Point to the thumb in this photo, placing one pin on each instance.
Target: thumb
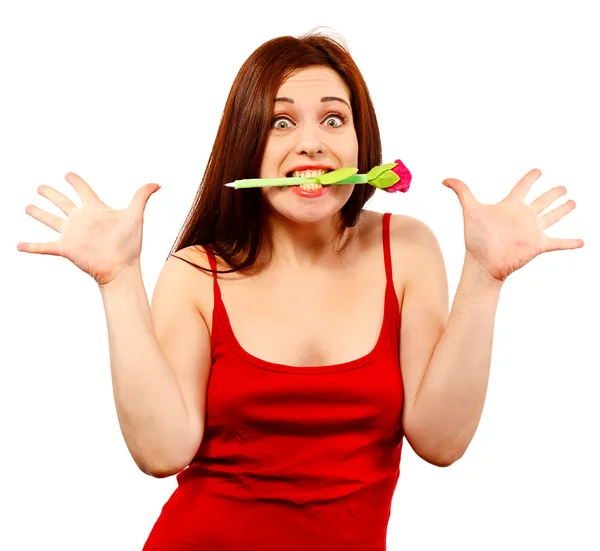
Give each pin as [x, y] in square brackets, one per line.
[140, 199]
[464, 194]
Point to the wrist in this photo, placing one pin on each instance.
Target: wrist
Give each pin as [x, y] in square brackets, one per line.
[477, 286]
[129, 275]
[478, 275]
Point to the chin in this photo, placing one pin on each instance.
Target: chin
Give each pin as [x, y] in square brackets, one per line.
[304, 214]
[312, 217]
[287, 204]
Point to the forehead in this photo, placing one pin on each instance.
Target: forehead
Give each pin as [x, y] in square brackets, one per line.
[317, 81]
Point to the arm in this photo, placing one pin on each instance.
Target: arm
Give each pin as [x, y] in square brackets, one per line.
[445, 361]
[160, 359]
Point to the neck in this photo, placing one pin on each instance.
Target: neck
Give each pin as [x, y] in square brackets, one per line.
[300, 246]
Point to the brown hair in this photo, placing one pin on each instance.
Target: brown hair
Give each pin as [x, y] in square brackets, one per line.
[228, 221]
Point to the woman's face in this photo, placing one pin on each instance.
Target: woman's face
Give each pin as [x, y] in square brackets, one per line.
[312, 128]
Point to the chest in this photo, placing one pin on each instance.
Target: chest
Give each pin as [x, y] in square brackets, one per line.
[322, 319]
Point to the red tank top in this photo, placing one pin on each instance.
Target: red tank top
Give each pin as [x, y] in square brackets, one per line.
[293, 458]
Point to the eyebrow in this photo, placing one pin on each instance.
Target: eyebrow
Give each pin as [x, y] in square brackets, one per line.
[323, 100]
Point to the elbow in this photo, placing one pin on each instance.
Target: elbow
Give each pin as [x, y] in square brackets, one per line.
[436, 453]
[161, 470]
[442, 459]
[164, 473]
[163, 467]
[446, 454]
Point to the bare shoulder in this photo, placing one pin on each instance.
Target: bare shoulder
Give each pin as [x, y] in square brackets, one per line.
[415, 246]
[194, 255]
[191, 264]
[182, 282]
[410, 231]
[404, 230]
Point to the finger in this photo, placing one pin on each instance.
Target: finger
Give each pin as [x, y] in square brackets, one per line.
[556, 214]
[140, 199]
[51, 220]
[523, 186]
[50, 247]
[546, 199]
[557, 244]
[63, 203]
[85, 192]
[466, 198]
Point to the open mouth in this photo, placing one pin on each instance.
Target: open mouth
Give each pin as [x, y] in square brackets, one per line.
[308, 174]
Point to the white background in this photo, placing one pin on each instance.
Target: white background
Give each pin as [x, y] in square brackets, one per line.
[126, 93]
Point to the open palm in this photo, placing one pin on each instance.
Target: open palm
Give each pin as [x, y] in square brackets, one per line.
[99, 240]
[503, 237]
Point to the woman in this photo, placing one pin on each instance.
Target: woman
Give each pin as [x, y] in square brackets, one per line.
[281, 388]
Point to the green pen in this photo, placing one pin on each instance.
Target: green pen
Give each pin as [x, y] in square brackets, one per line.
[390, 177]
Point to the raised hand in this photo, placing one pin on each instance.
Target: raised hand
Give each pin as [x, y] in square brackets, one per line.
[504, 237]
[99, 240]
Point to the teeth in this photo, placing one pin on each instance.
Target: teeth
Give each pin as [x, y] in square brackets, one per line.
[309, 173]
[310, 187]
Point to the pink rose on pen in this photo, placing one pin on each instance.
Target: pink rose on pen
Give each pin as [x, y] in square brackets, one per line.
[405, 178]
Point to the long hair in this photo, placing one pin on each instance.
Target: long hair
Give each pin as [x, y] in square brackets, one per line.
[229, 222]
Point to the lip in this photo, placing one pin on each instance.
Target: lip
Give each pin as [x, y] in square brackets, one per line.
[310, 194]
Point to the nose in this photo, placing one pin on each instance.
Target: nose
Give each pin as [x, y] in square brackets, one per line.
[309, 141]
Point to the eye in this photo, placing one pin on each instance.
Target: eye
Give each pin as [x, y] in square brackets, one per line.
[281, 123]
[331, 120]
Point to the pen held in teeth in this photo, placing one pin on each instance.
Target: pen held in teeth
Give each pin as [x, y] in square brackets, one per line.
[309, 174]
[310, 187]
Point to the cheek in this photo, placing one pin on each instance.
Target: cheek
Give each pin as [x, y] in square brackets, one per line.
[355, 149]
[346, 191]
[350, 151]
[272, 160]
[269, 195]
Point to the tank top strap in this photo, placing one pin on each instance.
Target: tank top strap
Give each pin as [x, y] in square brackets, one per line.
[213, 266]
[387, 254]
